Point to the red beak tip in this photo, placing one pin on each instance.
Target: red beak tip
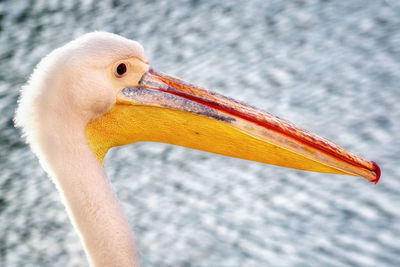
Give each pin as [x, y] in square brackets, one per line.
[377, 171]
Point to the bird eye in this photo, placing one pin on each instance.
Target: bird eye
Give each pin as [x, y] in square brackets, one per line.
[121, 69]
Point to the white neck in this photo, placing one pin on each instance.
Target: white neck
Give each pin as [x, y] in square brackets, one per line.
[91, 204]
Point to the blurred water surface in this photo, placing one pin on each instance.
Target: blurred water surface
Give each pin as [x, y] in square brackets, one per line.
[331, 66]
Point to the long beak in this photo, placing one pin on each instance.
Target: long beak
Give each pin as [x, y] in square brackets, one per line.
[161, 108]
[191, 116]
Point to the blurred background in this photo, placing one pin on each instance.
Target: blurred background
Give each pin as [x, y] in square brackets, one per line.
[332, 67]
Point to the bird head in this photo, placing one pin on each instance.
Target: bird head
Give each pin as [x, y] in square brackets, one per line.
[104, 84]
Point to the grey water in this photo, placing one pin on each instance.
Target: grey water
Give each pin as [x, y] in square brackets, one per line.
[332, 67]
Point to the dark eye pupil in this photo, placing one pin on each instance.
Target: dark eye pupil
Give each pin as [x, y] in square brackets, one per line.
[121, 69]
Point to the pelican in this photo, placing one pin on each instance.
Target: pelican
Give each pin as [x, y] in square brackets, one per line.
[99, 91]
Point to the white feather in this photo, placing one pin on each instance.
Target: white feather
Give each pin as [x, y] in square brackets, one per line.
[67, 90]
